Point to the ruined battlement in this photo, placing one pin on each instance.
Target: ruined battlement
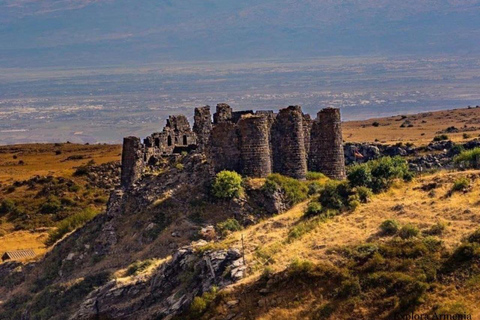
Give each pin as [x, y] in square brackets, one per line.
[254, 144]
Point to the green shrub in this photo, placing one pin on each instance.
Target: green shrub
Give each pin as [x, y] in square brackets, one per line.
[294, 190]
[267, 273]
[378, 175]
[466, 136]
[432, 243]
[70, 224]
[198, 307]
[337, 195]
[67, 201]
[7, 206]
[436, 229]
[360, 175]
[314, 208]
[387, 169]
[51, 206]
[349, 288]
[441, 137]
[311, 175]
[138, 267]
[456, 149]
[408, 231]
[389, 227]
[474, 237]
[364, 194]
[300, 266]
[179, 166]
[314, 188]
[460, 184]
[468, 158]
[227, 185]
[74, 188]
[200, 304]
[375, 124]
[228, 225]
[81, 171]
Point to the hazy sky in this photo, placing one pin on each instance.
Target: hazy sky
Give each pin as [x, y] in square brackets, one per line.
[104, 32]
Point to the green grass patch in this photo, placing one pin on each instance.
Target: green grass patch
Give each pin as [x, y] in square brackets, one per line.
[69, 224]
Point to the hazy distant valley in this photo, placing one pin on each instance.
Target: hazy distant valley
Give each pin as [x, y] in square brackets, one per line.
[103, 105]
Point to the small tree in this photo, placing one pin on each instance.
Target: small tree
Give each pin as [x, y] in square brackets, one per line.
[227, 185]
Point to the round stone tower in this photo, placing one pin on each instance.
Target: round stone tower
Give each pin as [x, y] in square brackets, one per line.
[288, 143]
[254, 146]
[326, 145]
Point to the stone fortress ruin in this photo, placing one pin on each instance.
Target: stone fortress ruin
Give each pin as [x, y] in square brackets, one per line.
[254, 144]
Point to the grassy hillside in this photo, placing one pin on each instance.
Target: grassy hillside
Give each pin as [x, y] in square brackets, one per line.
[340, 252]
[294, 278]
[419, 128]
[41, 185]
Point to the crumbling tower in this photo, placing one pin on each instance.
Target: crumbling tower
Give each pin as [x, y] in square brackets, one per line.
[202, 126]
[288, 143]
[255, 145]
[326, 145]
[132, 161]
[224, 147]
[223, 113]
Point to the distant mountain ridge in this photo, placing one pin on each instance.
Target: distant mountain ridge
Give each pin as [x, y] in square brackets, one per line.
[89, 32]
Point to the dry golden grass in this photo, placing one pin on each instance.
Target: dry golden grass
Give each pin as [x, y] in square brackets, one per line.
[40, 159]
[425, 127]
[19, 240]
[407, 203]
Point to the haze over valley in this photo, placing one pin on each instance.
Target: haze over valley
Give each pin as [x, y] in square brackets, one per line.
[104, 104]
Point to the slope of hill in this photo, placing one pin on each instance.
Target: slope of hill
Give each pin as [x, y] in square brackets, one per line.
[168, 246]
[43, 184]
[459, 125]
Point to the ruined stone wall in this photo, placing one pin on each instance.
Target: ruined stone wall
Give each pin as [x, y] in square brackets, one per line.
[288, 143]
[132, 161]
[202, 126]
[255, 146]
[175, 138]
[326, 146]
[224, 147]
[223, 113]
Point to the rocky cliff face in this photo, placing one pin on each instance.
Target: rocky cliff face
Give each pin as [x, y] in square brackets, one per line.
[157, 217]
[169, 290]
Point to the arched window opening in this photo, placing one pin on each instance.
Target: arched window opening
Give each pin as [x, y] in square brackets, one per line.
[185, 140]
[169, 141]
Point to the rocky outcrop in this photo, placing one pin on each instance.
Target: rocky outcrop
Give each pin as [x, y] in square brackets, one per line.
[169, 290]
[440, 145]
[362, 152]
[105, 176]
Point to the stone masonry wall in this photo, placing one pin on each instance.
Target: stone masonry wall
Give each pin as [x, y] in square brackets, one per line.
[202, 126]
[326, 150]
[132, 161]
[255, 146]
[288, 143]
[224, 147]
[223, 113]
